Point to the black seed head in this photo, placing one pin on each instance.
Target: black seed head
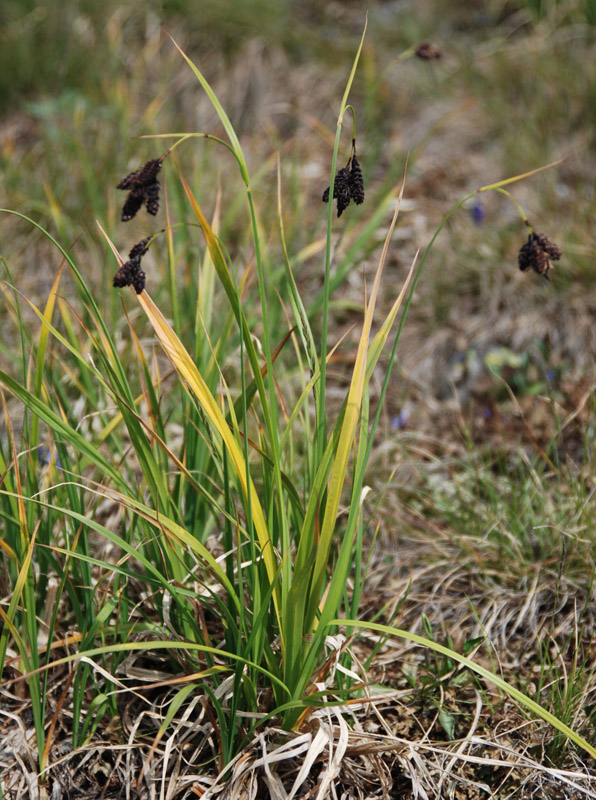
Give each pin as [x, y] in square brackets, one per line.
[143, 177]
[341, 189]
[427, 51]
[131, 274]
[545, 244]
[126, 274]
[139, 281]
[535, 254]
[131, 205]
[356, 182]
[127, 183]
[152, 199]
[524, 257]
[143, 187]
[541, 263]
[340, 184]
[343, 198]
[139, 250]
[148, 172]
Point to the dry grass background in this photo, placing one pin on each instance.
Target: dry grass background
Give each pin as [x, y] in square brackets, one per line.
[483, 474]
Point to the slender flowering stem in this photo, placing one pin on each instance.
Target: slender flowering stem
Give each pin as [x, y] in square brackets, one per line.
[515, 203]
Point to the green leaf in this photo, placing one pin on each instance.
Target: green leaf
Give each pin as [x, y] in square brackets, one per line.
[499, 682]
[472, 644]
[447, 721]
[428, 628]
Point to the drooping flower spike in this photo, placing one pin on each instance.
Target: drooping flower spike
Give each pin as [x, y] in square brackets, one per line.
[143, 187]
[130, 273]
[348, 184]
[537, 253]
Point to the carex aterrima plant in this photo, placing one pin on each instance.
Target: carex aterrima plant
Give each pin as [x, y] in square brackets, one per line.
[232, 556]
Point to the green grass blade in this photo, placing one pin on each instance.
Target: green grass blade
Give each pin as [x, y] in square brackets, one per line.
[225, 120]
[61, 428]
[321, 420]
[499, 682]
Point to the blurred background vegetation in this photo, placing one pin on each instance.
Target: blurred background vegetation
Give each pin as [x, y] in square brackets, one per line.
[514, 89]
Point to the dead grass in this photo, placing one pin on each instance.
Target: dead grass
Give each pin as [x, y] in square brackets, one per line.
[388, 743]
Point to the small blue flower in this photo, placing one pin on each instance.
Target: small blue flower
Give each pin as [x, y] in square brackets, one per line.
[45, 456]
[478, 213]
[399, 421]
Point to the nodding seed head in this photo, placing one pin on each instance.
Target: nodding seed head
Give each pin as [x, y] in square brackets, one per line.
[537, 253]
[341, 181]
[427, 51]
[125, 275]
[348, 185]
[143, 177]
[130, 273]
[143, 187]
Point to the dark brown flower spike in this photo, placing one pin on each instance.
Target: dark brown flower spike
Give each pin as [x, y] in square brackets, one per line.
[131, 205]
[348, 184]
[356, 182]
[140, 248]
[138, 282]
[427, 51]
[537, 253]
[341, 189]
[152, 199]
[130, 273]
[143, 187]
[141, 178]
[550, 248]
[125, 275]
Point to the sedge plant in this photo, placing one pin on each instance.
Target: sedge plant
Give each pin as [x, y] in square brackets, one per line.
[233, 529]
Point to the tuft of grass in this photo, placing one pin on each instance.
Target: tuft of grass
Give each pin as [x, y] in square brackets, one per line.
[187, 474]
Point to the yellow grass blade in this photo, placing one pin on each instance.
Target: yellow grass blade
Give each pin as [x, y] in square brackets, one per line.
[350, 423]
[224, 119]
[519, 177]
[42, 349]
[180, 358]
